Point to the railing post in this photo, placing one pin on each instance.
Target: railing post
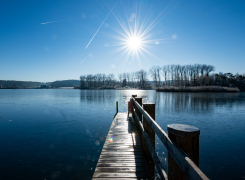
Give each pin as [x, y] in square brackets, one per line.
[117, 106]
[139, 100]
[150, 109]
[187, 138]
[133, 96]
[128, 108]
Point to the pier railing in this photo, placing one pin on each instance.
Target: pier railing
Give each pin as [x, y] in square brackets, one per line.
[182, 143]
[116, 109]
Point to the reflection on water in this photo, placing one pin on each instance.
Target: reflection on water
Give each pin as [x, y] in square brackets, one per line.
[59, 134]
[220, 117]
[198, 102]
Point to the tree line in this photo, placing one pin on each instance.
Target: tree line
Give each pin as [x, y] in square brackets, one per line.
[138, 79]
[97, 80]
[181, 75]
[167, 75]
[65, 83]
[19, 84]
[229, 80]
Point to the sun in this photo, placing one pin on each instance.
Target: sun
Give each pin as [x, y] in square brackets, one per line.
[134, 42]
[135, 39]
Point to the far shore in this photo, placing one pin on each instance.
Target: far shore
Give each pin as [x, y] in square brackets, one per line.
[92, 88]
[159, 89]
[199, 89]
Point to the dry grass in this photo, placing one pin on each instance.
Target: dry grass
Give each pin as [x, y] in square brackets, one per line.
[198, 89]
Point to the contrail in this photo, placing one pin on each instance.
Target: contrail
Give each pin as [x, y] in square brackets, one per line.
[49, 22]
[85, 59]
[101, 25]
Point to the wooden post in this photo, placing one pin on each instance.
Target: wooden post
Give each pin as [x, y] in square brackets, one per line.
[187, 138]
[150, 109]
[133, 96]
[139, 100]
[117, 106]
[128, 107]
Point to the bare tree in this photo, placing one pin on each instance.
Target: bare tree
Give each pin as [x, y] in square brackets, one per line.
[208, 69]
[89, 80]
[103, 79]
[153, 72]
[110, 79]
[99, 79]
[165, 71]
[186, 70]
[177, 76]
[128, 77]
[168, 75]
[158, 68]
[120, 77]
[132, 78]
[181, 70]
[202, 70]
[95, 81]
[142, 77]
[82, 81]
[172, 68]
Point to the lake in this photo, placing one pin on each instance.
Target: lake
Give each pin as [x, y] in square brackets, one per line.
[59, 133]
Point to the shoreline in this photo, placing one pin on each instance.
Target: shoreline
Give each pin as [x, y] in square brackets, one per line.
[216, 89]
[200, 89]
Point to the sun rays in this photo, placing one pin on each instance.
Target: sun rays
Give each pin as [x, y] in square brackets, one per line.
[134, 39]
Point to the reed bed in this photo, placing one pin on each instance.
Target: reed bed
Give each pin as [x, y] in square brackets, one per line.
[199, 89]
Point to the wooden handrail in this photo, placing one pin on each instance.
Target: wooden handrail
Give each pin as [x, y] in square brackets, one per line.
[116, 109]
[181, 158]
[154, 156]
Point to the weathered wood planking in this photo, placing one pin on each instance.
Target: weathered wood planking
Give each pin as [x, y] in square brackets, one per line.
[122, 156]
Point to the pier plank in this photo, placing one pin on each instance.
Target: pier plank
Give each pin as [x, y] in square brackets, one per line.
[121, 175]
[121, 169]
[121, 160]
[122, 156]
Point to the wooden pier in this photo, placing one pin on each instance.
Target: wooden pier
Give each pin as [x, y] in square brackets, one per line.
[129, 149]
[122, 156]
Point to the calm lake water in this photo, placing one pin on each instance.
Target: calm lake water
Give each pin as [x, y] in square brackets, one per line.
[59, 133]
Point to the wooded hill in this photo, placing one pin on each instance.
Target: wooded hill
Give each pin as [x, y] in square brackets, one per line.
[20, 84]
[31, 84]
[65, 83]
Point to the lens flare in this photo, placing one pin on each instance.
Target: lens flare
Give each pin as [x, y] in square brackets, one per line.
[111, 139]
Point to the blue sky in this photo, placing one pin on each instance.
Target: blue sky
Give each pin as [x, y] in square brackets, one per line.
[46, 40]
